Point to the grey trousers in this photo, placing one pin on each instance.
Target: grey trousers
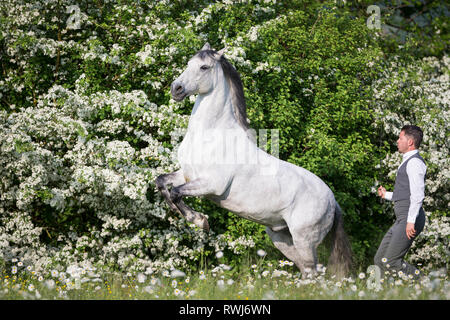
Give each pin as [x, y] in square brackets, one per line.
[396, 244]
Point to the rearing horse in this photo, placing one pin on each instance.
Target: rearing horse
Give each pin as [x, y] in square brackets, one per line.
[297, 207]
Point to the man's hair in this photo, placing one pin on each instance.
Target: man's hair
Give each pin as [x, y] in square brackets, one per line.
[415, 133]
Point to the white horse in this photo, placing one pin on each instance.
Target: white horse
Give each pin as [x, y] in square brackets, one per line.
[297, 207]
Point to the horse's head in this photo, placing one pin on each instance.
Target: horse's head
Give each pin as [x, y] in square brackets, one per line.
[200, 74]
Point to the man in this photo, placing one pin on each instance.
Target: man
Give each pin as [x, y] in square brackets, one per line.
[408, 195]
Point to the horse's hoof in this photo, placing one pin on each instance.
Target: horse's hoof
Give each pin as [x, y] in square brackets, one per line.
[205, 225]
[201, 222]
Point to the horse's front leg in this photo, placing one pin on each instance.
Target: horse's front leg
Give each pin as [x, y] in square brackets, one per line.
[175, 179]
[195, 188]
[164, 181]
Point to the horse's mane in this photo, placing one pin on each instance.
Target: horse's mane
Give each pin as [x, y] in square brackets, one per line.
[237, 89]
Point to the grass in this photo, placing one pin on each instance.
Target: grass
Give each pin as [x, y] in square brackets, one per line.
[266, 280]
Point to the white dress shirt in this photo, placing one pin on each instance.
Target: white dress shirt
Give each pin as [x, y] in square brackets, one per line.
[416, 171]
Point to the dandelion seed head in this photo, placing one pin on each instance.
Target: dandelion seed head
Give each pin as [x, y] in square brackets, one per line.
[149, 289]
[261, 253]
[141, 277]
[50, 284]
[177, 274]
[192, 293]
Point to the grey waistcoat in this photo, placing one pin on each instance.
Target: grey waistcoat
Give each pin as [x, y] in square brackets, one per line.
[401, 187]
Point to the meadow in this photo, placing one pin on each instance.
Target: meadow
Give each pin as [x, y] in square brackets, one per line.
[265, 280]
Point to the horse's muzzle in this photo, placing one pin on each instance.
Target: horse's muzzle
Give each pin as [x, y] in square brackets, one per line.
[178, 91]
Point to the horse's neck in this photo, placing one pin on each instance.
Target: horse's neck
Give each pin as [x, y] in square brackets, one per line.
[214, 110]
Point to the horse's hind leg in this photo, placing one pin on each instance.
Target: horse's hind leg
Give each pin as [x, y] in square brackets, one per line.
[307, 252]
[306, 239]
[282, 240]
[296, 248]
[307, 235]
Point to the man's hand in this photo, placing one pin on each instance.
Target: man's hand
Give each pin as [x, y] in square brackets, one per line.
[410, 231]
[382, 192]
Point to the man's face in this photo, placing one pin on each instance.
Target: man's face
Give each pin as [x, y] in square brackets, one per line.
[404, 143]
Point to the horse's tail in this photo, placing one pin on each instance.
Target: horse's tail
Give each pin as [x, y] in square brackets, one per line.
[340, 261]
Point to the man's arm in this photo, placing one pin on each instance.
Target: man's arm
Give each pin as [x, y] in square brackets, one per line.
[416, 170]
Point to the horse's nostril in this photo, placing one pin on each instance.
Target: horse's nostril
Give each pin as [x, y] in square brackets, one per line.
[179, 89]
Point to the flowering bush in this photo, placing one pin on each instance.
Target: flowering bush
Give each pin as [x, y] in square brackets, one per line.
[431, 248]
[418, 93]
[86, 127]
[87, 124]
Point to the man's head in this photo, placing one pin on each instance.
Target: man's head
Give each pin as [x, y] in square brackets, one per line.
[409, 139]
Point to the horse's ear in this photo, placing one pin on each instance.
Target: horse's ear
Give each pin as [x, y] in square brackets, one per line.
[221, 52]
[206, 47]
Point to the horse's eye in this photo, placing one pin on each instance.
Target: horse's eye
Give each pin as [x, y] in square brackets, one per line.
[204, 67]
